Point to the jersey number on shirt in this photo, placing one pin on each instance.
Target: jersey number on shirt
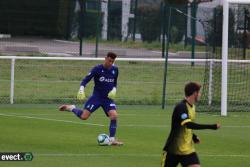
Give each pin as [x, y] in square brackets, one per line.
[91, 106]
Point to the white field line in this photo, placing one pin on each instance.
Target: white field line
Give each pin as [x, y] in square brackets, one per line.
[66, 114]
[130, 155]
[93, 124]
[49, 119]
[73, 122]
[121, 114]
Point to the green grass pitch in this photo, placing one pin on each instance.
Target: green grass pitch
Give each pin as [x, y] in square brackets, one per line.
[59, 139]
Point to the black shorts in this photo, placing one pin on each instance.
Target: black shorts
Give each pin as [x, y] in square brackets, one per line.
[172, 160]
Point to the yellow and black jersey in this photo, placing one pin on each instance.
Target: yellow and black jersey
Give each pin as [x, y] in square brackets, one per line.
[180, 138]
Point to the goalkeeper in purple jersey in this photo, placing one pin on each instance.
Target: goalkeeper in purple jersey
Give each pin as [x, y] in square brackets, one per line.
[105, 78]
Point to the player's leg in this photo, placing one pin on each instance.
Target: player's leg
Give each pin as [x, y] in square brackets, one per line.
[90, 106]
[109, 107]
[194, 165]
[190, 160]
[112, 114]
[82, 114]
[169, 160]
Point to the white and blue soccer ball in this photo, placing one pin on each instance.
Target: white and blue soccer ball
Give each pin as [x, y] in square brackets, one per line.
[103, 139]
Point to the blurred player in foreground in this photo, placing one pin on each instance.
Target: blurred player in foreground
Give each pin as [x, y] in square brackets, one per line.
[179, 147]
[105, 78]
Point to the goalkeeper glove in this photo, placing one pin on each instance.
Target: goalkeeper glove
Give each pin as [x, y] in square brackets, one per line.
[112, 93]
[81, 93]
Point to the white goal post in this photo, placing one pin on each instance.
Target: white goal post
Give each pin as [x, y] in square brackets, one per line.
[224, 74]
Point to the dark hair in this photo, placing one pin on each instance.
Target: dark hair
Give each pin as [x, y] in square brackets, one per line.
[191, 87]
[111, 55]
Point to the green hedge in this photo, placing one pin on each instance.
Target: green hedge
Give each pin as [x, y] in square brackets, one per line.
[39, 17]
[149, 22]
[89, 25]
[214, 36]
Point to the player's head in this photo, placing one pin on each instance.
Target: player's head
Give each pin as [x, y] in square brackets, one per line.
[109, 59]
[192, 89]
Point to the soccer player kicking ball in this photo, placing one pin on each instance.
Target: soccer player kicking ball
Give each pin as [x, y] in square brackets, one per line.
[179, 147]
[105, 78]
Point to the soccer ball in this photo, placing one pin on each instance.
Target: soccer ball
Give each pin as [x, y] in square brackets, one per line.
[103, 139]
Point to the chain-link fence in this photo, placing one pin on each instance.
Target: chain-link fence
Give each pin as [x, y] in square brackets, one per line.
[130, 28]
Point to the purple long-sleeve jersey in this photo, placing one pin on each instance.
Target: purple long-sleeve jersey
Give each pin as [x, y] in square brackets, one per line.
[105, 79]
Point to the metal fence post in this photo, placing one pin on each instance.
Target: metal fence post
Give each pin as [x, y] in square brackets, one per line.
[164, 30]
[98, 28]
[193, 24]
[135, 17]
[166, 60]
[81, 22]
[245, 34]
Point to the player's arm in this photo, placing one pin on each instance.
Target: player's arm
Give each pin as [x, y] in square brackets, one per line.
[196, 139]
[112, 93]
[81, 93]
[87, 78]
[186, 121]
[115, 82]
[196, 126]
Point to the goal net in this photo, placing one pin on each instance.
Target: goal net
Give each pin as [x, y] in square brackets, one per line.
[229, 84]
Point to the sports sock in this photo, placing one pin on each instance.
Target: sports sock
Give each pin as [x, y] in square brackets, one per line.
[78, 112]
[112, 128]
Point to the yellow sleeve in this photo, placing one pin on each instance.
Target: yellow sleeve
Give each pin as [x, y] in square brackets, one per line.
[185, 121]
